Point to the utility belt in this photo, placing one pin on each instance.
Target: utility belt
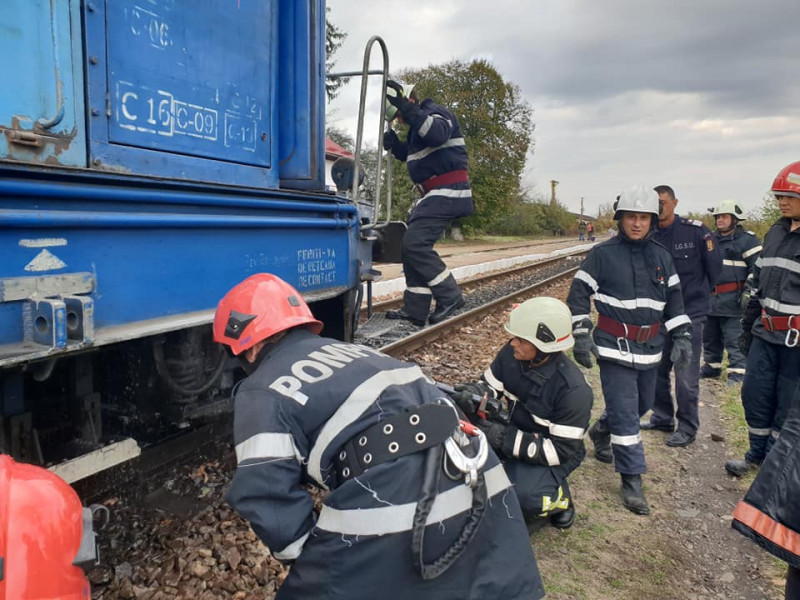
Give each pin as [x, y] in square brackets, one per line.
[448, 178]
[724, 288]
[790, 324]
[411, 431]
[636, 333]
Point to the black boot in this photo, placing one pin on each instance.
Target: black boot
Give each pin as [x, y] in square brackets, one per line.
[565, 518]
[737, 468]
[601, 438]
[632, 494]
[441, 312]
[400, 313]
[707, 371]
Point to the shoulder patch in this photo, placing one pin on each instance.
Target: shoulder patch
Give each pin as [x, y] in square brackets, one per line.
[696, 223]
[710, 245]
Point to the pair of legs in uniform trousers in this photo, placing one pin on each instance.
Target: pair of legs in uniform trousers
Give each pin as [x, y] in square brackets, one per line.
[771, 381]
[722, 333]
[543, 494]
[628, 394]
[687, 392]
[426, 275]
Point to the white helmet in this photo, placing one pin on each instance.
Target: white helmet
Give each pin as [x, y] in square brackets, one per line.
[728, 207]
[544, 322]
[391, 110]
[637, 198]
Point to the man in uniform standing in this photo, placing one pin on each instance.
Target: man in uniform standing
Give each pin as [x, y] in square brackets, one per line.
[376, 433]
[637, 295]
[698, 264]
[771, 327]
[739, 249]
[436, 156]
[540, 438]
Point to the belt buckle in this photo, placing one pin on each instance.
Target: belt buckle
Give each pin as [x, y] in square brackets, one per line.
[643, 334]
[766, 320]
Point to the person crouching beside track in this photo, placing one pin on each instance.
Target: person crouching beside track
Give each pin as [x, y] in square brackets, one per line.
[771, 327]
[436, 156]
[635, 288]
[540, 435]
[418, 508]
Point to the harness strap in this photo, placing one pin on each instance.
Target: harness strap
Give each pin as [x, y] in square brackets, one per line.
[779, 323]
[448, 178]
[637, 333]
[411, 431]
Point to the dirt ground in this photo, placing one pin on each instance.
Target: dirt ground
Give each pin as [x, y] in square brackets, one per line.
[685, 549]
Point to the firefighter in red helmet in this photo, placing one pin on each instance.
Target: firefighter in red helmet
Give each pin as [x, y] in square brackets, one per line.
[46, 535]
[416, 509]
[770, 511]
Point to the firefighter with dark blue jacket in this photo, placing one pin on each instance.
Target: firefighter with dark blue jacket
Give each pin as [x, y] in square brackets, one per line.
[739, 250]
[698, 264]
[418, 505]
[540, 436]
[436, 156]
[637, 295]
[771, 327]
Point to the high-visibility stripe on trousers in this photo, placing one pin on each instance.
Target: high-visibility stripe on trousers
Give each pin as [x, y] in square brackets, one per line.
[628, 395]
[770, 382]
[426, 274]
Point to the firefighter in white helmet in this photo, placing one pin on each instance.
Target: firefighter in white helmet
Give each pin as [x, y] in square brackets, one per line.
[637, 294]
[740, 250]
[540, 434]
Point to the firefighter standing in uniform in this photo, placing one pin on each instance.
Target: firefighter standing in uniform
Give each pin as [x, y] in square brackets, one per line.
[698, 264]
[436, 156]
[378, 434]
[739, 250]
[540, 440]
[771, 327]
[635, 287]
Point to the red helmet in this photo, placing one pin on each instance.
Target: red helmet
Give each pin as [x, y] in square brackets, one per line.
[259, 307]
[42, 535]
[787, 183]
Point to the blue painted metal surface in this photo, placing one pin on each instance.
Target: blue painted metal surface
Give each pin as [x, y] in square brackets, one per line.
[41, 97]
[196, 80]
[152, 255]
[302, 93]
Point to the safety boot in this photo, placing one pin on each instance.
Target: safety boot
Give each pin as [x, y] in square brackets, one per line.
[601, 438]
[633, 495]
[738, 468]
[565, 518]
[707, 371]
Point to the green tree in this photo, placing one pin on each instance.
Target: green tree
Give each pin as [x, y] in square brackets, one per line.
[497, 126]
[334, 38]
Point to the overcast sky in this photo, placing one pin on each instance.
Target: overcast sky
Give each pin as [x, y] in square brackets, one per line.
[702, 95]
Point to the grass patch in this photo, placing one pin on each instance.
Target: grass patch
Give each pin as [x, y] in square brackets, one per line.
[732, 415]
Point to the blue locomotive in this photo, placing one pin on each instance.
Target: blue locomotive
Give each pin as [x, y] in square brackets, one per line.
[153, 153]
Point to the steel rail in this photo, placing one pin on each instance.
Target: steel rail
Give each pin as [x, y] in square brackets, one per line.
[384, 305]
[434, 332]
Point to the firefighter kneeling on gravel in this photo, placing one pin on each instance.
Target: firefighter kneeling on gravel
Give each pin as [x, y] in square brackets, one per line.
[540, 435]
[418, 508]
[637, 294]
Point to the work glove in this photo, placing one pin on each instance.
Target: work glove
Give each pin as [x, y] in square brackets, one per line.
[465, 393]
[681, 354]
[495, 433]
[407, 109]
[389, 139]
[584, 345]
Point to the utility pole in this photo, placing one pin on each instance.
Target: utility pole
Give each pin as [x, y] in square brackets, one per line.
[553, 184]
[581, 207]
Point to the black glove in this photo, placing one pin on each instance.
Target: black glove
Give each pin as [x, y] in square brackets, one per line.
[465, 396]
[407, 109]
[681, 354]
[584, 344]
[495, 433]
[389, 139]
